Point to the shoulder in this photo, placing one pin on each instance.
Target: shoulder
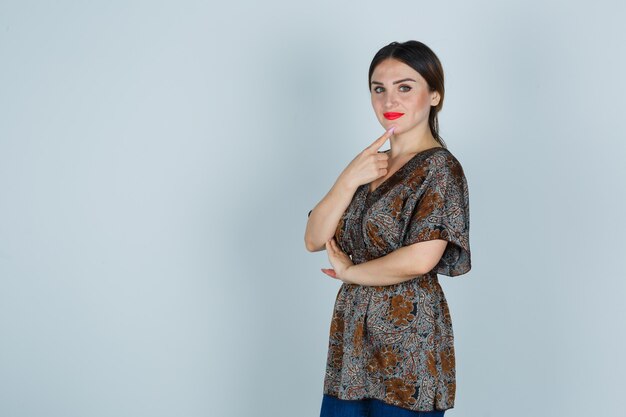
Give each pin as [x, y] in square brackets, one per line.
[441, 155]
[433, 162]
[443, 161]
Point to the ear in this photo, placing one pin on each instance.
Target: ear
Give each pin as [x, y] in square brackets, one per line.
[435, 98]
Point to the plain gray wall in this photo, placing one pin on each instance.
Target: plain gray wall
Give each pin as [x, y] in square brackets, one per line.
[158, 161]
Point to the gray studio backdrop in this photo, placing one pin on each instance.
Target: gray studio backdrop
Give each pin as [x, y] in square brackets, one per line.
[158, 161]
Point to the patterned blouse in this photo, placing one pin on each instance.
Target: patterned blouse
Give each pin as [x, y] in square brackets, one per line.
[395, 343]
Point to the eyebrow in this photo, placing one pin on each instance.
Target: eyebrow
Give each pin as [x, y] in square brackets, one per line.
[396, 82]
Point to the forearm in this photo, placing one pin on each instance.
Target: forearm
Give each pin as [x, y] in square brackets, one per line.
[323, 220]
[401, 265]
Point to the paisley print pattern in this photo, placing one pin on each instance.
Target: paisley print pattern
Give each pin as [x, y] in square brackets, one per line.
[395, 343]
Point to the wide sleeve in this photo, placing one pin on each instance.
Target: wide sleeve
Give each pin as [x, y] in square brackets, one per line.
[441, 211]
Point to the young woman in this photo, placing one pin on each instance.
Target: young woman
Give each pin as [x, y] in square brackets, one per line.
[392, 221]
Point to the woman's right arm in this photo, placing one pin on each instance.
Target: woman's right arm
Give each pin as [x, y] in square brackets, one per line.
[364, 168]
[325, 216]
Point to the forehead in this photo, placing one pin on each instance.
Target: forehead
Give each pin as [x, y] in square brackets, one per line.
[391, 70]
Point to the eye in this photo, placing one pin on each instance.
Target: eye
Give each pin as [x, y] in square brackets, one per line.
[378, 90]
[405, 88]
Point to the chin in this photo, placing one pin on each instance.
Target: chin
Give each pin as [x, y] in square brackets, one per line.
[390, 123]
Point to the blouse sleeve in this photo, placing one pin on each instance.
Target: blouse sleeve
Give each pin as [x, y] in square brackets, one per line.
[442, 212]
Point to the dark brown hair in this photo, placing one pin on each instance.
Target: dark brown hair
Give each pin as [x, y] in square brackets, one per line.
[423, 60]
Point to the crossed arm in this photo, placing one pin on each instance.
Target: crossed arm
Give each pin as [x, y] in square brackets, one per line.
[401, 265]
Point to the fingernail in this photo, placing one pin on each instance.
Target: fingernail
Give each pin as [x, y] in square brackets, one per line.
[392, 128]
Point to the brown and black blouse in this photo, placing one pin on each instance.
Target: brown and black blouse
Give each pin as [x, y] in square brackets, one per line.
[395, 343]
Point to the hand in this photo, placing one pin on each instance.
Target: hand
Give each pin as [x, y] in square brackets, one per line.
[367, 165]
[340, 261]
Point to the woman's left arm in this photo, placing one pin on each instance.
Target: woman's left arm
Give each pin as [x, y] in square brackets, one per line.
[401, 265]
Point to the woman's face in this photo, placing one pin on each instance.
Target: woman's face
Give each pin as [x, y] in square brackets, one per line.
[400, 96]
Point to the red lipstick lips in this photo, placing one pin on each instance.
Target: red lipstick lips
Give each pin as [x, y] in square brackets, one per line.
[392, 115]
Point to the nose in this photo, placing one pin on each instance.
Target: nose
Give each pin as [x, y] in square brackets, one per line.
[390, 99]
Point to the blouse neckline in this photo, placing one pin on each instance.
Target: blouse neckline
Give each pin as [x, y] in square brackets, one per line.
[386, 181]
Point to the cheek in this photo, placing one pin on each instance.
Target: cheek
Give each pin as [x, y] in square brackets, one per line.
[377, 105]
[424, 100]
[420, 103]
